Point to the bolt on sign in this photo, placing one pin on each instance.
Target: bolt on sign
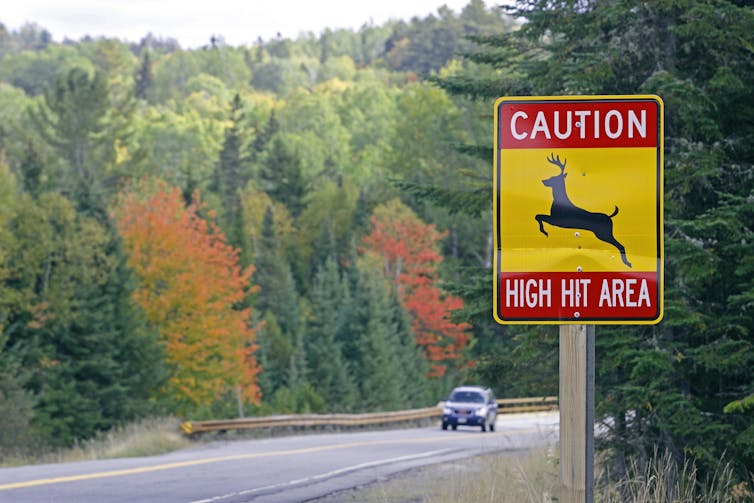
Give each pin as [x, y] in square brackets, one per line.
[578, 218]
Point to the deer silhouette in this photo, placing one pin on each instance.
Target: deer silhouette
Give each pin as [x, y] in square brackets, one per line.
[565, 214]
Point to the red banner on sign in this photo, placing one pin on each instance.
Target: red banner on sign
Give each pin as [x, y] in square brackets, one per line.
[578, 295]
[597, 124]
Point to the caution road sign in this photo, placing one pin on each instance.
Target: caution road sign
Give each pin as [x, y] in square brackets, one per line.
[578, 209]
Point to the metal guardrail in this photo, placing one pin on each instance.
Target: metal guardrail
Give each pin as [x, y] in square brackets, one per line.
[536, 404]
[505, 406]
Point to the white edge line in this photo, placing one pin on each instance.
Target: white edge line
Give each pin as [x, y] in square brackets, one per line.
[325, 475]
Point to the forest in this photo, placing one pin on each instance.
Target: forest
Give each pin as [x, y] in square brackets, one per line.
[304, 224]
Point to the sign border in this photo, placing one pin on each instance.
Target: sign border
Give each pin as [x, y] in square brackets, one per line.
[659, 189]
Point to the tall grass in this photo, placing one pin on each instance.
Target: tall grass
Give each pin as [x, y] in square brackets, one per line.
[522, 477]
[663, 479]
[533, 478]
[147, 437]
[511, 477]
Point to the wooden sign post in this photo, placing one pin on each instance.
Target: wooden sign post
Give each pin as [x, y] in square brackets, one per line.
[576, 400]
[578, 233]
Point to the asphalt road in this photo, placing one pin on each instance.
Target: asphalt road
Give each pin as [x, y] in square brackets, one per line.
[286, 469]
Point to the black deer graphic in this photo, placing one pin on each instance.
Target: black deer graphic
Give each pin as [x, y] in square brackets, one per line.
[564, 213]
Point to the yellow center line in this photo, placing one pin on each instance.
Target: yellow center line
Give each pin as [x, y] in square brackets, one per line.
[238, 457]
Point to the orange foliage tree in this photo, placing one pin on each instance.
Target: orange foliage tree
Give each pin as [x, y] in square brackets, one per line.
[190, 286]
[411, 258]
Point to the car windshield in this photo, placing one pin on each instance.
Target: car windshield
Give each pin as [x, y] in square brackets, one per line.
[466, 397]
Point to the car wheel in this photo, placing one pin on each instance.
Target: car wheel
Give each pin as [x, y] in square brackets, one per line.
[484, 426]
[444, 425]
[455, 427]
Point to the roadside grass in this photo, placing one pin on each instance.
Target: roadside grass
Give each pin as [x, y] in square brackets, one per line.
[147, 437]
[663, 480]
[520, 477]
[505, 477]
[532, 477]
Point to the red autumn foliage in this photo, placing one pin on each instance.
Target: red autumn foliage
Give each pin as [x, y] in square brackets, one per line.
[411, 258]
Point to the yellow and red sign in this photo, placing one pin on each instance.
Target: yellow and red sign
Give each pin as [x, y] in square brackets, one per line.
[578, 210]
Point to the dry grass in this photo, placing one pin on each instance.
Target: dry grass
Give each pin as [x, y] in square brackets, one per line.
[147, 437]
[532, 477]
[663, 480]
[508, 477]
[524, 477]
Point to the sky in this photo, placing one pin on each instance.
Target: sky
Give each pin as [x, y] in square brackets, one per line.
[193, 22]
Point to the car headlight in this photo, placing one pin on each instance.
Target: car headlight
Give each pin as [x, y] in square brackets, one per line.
[446, 410]
[481, 411]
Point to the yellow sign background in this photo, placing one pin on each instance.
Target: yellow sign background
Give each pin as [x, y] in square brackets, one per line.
[598, 180]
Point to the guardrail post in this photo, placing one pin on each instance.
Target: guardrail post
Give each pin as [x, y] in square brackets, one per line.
[576, 413]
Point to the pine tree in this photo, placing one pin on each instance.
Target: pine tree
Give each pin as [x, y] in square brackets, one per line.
[277, 290]
[110, 363]
[144, 78]
[382, 381]
[91, 363]
[278, 296]
[32, 169]
[667, 386]
[231, 175]
[354, 319]
[263, 137]
[325, 247]
[275, 355]
[78, 119]
[282, 176]
[328, 371]
[419, 391]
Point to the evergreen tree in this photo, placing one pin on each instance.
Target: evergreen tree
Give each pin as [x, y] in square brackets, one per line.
[32, 170]
[275, 355]
[382, 380]
[328, 371]
[144, 77]
[263, 136]
[667, 386]
[94, 362]
[79, 121]
[354, 319]
[16, 401]
[419, 390]
[110, 364]
[277, 296]
[325, 247]
[282, 176]
[230, 175]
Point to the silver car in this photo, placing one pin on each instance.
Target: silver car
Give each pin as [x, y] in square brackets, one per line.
[470, 406]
